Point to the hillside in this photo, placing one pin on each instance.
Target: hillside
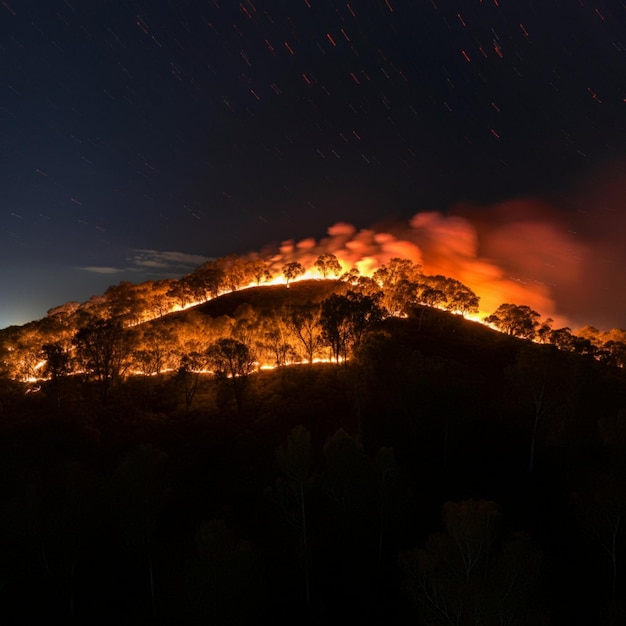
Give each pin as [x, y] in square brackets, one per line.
[186, 483]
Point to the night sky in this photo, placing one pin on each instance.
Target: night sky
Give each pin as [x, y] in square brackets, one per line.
[139, 138]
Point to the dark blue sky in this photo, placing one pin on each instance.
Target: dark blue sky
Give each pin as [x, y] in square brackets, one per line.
[203, 127]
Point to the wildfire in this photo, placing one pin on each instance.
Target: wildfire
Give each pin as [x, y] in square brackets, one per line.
[530, 258]
[450, 246]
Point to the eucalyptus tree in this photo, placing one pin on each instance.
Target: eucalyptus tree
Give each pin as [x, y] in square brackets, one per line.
[517, 320]
[292, 270]
[345, 318]
[102, 350]
[232, 361]
[327, 264]
[303, 320]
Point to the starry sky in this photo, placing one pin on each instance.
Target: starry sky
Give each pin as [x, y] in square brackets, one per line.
[139, 138]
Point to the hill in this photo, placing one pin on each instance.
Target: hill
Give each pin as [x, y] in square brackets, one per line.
[165, 489]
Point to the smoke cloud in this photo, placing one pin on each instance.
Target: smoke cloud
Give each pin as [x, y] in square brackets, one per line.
[562, 256]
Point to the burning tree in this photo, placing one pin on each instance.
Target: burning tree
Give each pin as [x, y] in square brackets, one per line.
[273, 340]
[398, 280]
[303, 321]
[209, 279]
[102, 349]
[260, 271]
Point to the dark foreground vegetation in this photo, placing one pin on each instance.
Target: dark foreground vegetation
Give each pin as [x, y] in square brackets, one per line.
[435, 471]
[446, 474]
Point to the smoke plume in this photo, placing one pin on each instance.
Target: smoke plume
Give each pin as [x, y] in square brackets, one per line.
[564, 257]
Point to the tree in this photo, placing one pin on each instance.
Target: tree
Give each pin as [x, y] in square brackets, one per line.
[292, 270]
[224, 581]
[601, 507]
[57, 360]
[188, 375]
[260, 271]
[327, 264]
[303, 320]
[126, 303]
[273, 340]
[294, 460]
[237, 271]
[398, 280]
[460, 298]
[185, 291]
[344, 319]
[388, 476]
[57, 366]
[232, 361]
[562, 338]
[141, 490]
[102, 349]
[448, 293]
[159, 300]
[349, 473]
[400, 298]
[152, 349]
[22, 351]
[543, 386]
[464, 576]
[209, 279]
[615, 352]
[396, 271]
[515, 320]
[351, 276]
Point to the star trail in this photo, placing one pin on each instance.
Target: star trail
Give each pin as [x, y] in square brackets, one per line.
[138, 139]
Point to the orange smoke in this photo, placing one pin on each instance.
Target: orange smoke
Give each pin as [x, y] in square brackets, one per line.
[517, 261]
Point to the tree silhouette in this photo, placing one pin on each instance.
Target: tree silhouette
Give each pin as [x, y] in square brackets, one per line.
[601, 506]
[57, 360]
[273, 340]
[460, 298]
[126, 303]
[141, 488]
[231, 360]
[465, 576]
[260, 271]
[398, 280]
[539, 385]
[209, 279]
[397, 271]
[102, 349]
[303, 320]
[294, 460]
[344, 319]
[515, 320]
[327, 264]
[224, 580]
[58, 366]
[186, 290]
[292, 270]
[188, 375]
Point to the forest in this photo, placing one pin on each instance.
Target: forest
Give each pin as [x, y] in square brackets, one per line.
[253, 444]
